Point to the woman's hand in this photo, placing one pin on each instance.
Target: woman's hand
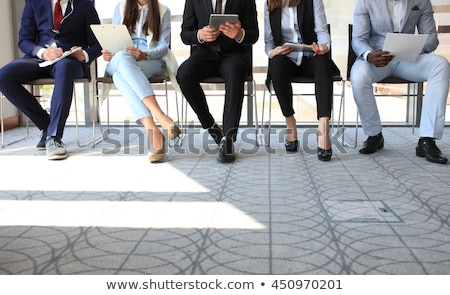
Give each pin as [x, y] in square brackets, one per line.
[320, 49]
[136, 53]
[107, 55]
[281, 50]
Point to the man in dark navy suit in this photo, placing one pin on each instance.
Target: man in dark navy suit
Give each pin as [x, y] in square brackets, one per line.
[49, 28]
[223, 52]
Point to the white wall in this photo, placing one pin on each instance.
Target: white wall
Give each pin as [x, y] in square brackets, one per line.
[8, 46]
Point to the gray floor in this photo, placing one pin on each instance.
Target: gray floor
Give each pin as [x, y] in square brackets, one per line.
[106, 210]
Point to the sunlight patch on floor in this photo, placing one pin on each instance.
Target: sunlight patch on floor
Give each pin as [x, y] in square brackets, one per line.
[79, 173]
[119, 214]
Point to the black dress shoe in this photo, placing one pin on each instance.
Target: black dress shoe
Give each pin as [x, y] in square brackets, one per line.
[216, 133]
[324, 155]
[426, 147]
[41, 144]
[226, 151]
[291, 146]
[372, 144]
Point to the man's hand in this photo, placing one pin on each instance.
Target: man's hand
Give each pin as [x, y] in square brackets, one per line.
[52, 53]
[208, 34]
[379, 57]
[232, 30]
[79, 55]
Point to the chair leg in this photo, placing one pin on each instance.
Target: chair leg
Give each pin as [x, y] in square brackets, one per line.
[97, 98]
[340, 126]
[267, 142]
[256, 112]
[178, 141]
[77, 131]
[2, 124]
[260, 131]
[1, 120]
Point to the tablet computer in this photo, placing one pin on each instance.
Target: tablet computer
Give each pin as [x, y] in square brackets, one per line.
[299, 47]
[113, 38]
[215, 20]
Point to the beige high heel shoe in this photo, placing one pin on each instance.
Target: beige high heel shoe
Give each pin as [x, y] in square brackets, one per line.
[158, 155]
[173, 132]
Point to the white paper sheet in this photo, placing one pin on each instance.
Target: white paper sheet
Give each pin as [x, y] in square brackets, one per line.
[404, 47]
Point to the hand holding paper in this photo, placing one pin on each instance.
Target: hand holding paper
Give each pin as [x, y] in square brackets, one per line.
[404, 47]
[64, 55]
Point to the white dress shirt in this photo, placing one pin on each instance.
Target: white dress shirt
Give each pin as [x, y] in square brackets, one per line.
[63, 4]
[290, 31]
[397, 13]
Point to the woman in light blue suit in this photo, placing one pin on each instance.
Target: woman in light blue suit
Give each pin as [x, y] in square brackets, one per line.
[149, 25]
[373, 19]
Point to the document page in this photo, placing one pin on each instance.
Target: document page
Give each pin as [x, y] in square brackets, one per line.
[64, 55]
[404, 47]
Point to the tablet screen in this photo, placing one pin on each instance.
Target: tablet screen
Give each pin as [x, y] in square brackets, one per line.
[215, 20]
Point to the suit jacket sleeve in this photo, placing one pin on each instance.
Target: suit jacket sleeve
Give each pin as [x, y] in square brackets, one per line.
[37, 24]
[372, 22]
[30, 39]
[190, 25]
[249, 22]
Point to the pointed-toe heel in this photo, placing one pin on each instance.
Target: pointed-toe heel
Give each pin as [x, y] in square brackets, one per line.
[291, 146]
[324, 155]
[173, 132]
[155, 156]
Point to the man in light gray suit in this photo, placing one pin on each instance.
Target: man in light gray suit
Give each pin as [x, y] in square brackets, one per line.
[373, 19]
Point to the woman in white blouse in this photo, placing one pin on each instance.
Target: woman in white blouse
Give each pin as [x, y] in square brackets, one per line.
[300, 21]
[149, 25]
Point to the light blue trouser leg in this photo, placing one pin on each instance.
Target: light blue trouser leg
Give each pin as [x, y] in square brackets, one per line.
[432, 68]
[131, 78]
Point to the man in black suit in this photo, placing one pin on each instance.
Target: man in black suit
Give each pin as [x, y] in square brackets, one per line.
[219, 52]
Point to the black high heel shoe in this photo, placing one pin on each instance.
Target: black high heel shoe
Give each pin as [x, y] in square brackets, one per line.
[324, 155]
[291, 146]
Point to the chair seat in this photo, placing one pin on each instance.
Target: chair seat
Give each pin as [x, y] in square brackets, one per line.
[50, 81]
[217, 80]
[158, 79]
[394, 80]
[302, 79]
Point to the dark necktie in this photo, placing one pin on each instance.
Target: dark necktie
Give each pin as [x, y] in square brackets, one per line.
[57, 15]
[218, 7]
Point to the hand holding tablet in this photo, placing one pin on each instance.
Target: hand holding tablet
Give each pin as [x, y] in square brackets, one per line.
[215, 20]
[299, 47]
